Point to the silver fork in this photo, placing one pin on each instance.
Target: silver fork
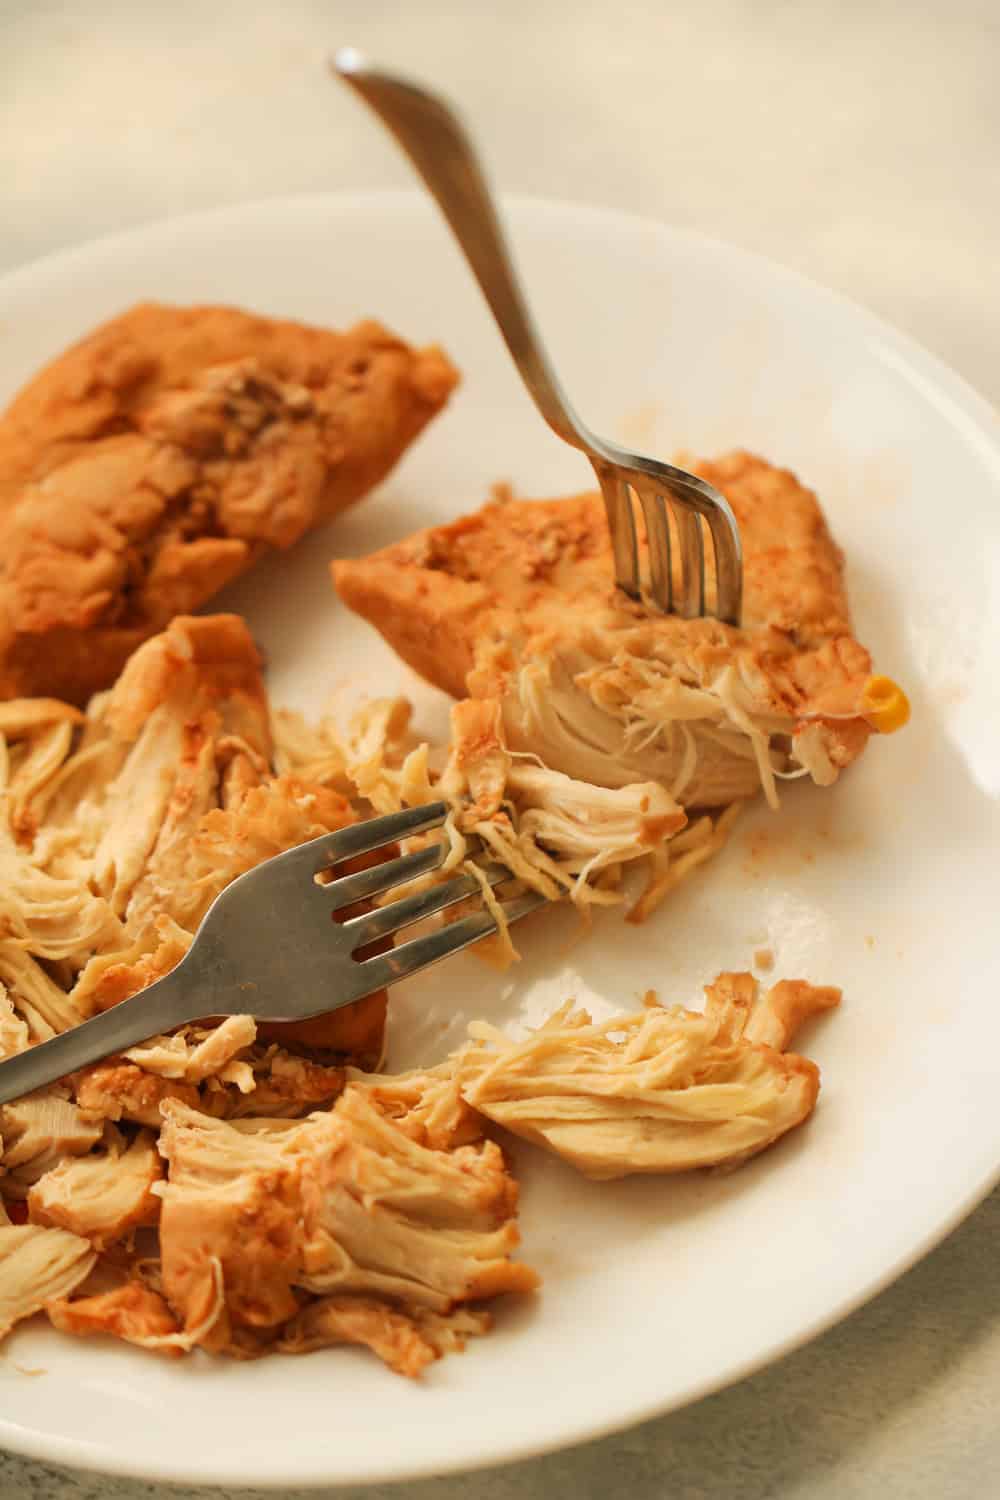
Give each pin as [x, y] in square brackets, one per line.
[438, 146]
[269, 946]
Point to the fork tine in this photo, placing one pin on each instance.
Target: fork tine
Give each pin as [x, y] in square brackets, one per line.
[409, 958]
[361, 838]
[373, 925]
[691, 547]
[349, 889]
[661, 585]
[621, 524]
[728, 567]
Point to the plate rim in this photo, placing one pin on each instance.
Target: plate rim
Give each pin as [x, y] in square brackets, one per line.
[969, 412]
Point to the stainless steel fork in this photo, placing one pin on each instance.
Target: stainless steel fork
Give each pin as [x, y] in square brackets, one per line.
[270, 947]
[439, 148]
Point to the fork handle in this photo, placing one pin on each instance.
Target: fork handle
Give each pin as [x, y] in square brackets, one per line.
[435, 141]
[158, 1008]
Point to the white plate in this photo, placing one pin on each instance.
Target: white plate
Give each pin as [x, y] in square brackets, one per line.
[656, 1292]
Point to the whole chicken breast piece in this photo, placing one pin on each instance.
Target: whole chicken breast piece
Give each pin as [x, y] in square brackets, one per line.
[158, 458]
[517, 602]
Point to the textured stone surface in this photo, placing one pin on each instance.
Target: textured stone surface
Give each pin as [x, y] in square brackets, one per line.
[857, 143]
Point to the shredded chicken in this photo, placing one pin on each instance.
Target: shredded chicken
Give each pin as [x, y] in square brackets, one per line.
[165, 797]
[267, 1080]
[554, 834]
[37, 1266]
[406, 1343]
[426, 1104]
[132, 1312]
[37, 1132]
[103, 1196]
[123, 1091]
[312, 752]
[193, 1061]
[14, 1035]
[662, 1090]
[118, 827]
[345, 1205]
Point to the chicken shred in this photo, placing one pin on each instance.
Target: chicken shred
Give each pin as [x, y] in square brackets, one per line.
[406, 1343]
[175, 1057]
[559, 836]
[38, 1266]
[661, 1090]
[600, 734]
[132, 1312]
[38, 1132]
[103, 1196]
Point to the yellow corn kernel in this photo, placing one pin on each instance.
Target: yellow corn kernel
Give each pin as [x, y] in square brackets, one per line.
[884, 705]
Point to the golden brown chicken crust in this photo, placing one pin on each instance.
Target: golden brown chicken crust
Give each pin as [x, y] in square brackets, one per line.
[529, 584]
[158, 458]
[439, 594]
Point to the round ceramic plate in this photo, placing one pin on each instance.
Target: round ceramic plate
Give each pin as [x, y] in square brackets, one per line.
[655, 1291]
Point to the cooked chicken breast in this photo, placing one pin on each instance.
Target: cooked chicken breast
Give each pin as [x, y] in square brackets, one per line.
[36, 1266]
[557, 834]
[661, 1090]
[517, 603]
[37, 1133]
[132, 1312]
[392, 1235]
[103, 1196]
[157, 459]
[123, 826]
[406, 1342]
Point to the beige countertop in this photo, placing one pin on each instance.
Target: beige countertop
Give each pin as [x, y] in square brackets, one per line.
[857, 142]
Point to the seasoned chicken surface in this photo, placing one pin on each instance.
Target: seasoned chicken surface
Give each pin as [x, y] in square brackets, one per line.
[661, 1090]
[157, 459]
[130, 1311]
[517, 604]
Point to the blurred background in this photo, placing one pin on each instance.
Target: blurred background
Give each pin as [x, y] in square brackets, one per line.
[855, 140]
